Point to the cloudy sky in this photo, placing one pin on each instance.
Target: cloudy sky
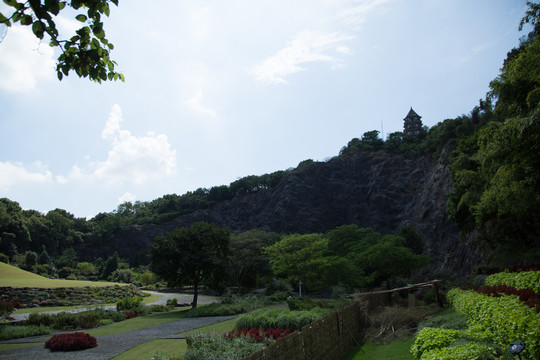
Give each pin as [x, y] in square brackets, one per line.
[218, 90]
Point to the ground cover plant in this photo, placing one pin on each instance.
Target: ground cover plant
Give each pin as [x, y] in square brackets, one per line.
[71, 342]
[218, 347]
[8, 332]
[496, 316]
[280, 318]
[230, 305]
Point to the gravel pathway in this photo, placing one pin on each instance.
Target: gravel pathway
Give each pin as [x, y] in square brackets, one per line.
[110, 346]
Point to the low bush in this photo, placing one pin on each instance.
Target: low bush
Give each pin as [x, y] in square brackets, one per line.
[38, 319]
[307, 303]
[6, 308]
[233, 305]
[518, 280]
[65, 321]
[8, 332]
[431, 339]
[159, 308]
[280, 318]
[103, 322]
[128, 303]
[258, 335]
[88, 320]
[71, 342]
[172, 302]
[462, 352]
[218, 347]
[500, 320]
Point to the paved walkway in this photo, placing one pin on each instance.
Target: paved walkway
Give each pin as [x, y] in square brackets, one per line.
[110, 346]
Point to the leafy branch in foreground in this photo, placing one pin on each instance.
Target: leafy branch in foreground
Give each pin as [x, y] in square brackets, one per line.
[87, 52]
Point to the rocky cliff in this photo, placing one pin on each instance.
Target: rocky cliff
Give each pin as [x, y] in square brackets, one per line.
[371, 189]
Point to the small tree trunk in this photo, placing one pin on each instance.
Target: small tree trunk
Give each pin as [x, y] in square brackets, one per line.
[195, 294]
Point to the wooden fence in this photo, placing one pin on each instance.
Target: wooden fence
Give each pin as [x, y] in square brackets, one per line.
[331, 337]
[328, 338]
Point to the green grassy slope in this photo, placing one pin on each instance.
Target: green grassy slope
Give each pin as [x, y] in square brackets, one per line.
[15, 277]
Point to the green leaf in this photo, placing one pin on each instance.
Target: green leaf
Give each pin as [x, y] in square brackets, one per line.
[60, 75]
[26, 20]
[81, 17]
[37, 29]
[62, 5]
[4, 20]
[122, 78]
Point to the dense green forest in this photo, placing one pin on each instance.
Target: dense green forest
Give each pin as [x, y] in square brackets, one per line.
[495, 198]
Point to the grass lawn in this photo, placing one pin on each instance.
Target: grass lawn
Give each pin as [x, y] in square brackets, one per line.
[15, 277]
[397, 350]
[172, 347]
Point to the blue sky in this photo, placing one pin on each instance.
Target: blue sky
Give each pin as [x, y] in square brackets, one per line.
[218, 90]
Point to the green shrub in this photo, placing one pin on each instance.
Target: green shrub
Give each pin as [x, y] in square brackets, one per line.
[6, 308]
[217, 347]
[103, 322]
[88, 320]
[447, 319]
[279, 296]
[307, 303]
[159, 308]
[431, 338]
[233, 305]
[128, 304]
[279, 318]
[519, 280]
[64, 321]
[462, 352]
[38, 319]
[172, 302]
[8, 332]
[501, 319]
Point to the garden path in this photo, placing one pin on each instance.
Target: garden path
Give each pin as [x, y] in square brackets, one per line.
[110, 346]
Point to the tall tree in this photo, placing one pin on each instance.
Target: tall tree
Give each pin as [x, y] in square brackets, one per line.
[247, 260]
[300, 257]
[87, 51]
[189, 255]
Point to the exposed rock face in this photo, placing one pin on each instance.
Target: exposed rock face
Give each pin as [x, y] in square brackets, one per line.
[371, 189]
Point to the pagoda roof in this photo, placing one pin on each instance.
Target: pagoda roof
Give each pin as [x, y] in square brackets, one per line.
[411, 114]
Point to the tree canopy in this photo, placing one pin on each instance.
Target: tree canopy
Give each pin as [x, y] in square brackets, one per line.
[87, 52]
[191, 255]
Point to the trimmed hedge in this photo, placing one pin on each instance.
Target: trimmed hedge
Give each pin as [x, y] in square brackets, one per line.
[519, 280]
[280, 318]
[502, 319]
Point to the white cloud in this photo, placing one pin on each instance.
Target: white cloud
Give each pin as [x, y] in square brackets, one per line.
[305, 47]
[195, 103]
[356, 11]
[127, 197]
[13, 174]
[24, 60]
[134, 159]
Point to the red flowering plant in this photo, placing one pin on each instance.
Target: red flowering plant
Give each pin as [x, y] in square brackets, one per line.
[258, 335]
[71, 342]
[129, 315]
